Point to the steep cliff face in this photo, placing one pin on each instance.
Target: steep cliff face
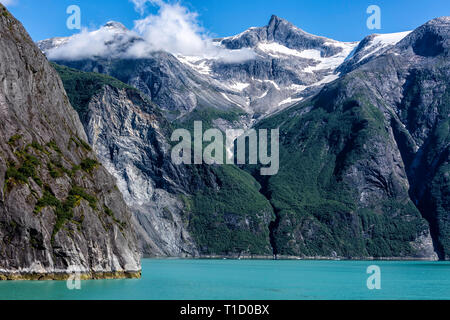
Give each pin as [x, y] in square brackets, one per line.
[179, 210]
[368, 153]
[423, 111]
[347, 194]
[129, 137]
[60, 211]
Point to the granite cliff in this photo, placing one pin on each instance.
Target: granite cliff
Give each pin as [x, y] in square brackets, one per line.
[60, 209]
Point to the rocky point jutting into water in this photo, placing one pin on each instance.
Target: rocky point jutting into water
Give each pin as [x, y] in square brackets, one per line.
[60, 210]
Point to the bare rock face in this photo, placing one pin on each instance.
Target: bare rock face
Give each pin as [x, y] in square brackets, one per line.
[60, 210]
[129, 137]
[179, 210]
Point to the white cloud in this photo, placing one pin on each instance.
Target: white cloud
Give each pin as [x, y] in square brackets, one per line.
[104, 42]
[139, 5]
[177, 30]
[174, 29]
[8, 2]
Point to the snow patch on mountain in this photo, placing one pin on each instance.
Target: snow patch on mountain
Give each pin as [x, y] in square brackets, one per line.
[239, 86]
[335, 61]
[289, 101]
[261, 70]
[199, 64]
[277, 50]
[383, 41]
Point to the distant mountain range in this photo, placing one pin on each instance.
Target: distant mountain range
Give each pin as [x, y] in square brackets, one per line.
[286, 66]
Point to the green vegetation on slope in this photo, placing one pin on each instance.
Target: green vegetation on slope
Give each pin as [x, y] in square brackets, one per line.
[227, 215]
[33, 160]
[207, 115]
[231, 217]
[82, 86]
[64, 209]
[317, 207]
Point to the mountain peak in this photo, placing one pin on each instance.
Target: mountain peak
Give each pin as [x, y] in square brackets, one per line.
[279, 25]
[275, 20]
[430, 39]
[445, 20]
[115, 25]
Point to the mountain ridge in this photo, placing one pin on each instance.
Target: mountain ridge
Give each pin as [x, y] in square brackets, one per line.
[278, 76]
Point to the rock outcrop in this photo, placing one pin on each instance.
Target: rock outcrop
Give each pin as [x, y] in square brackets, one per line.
[129, 137]
[60, 210]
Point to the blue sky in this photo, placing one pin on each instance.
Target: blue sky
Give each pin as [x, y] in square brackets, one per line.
[343, 20]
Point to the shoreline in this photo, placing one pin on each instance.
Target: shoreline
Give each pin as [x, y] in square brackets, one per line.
[293, 258]
[61, 276]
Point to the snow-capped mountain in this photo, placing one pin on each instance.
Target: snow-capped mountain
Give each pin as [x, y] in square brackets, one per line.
[371, 47]
[113, 40]
[282, 65]
[289, 65]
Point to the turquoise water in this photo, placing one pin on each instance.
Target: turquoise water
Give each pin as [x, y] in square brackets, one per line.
[244, 280]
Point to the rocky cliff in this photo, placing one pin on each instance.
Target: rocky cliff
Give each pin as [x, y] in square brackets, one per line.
[180, 211]
[370, 157]
[60, 210]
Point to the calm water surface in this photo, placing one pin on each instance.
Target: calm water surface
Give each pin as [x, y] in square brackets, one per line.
[242, 280]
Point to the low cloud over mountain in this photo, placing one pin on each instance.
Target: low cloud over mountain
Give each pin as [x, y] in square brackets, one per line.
[174, 29]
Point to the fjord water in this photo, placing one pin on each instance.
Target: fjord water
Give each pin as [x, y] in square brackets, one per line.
[252, 279]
